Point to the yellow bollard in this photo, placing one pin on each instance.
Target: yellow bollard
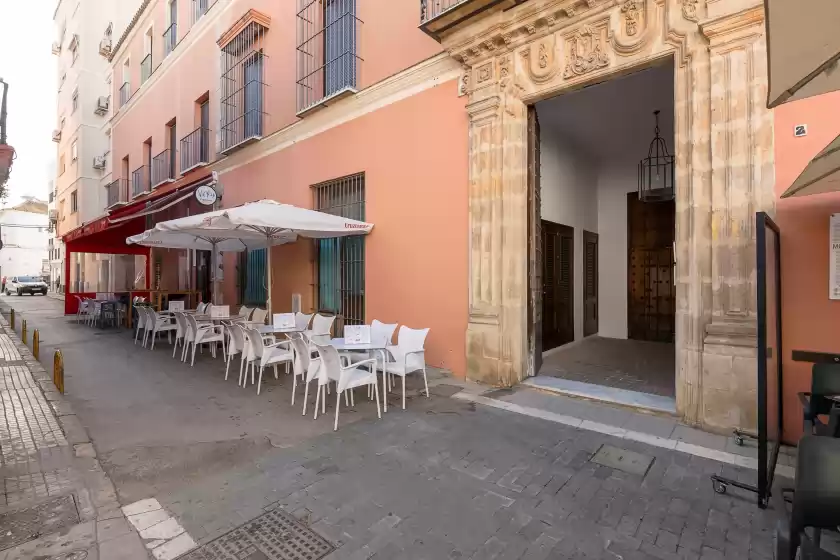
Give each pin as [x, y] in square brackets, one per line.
[12, 319]
[58, 371]
[23, 331]
[36, 344]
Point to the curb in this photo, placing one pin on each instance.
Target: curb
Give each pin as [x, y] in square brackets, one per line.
[97, 500]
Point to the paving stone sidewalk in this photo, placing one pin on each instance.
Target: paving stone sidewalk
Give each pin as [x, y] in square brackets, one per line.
[56, 502]
[447, 479]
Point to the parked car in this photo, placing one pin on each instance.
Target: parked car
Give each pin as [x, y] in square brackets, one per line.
[31, 285]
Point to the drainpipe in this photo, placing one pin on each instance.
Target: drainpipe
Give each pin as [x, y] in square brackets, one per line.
[3, 112]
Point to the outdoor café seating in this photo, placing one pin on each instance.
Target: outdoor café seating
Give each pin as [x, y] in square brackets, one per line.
[822, 402]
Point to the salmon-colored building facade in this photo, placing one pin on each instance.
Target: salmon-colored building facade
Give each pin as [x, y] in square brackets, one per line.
[402, 129]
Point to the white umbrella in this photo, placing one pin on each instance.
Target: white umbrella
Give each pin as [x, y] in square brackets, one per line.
[270, 219]
[208, 241]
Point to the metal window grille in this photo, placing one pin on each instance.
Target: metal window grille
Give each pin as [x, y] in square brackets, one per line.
[341, 261]
[195, 149]
[327, 53]
[252, 277]
[243, 87]
[125, 93]
[163, 168]
[170, 39]
[140, 181]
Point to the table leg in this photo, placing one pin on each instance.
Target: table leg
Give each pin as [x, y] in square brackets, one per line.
[384, 381]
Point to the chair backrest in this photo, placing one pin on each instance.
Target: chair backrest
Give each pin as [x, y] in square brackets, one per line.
[255, 343]
[200, 308]
[302, 320]
[331, 363]
[192, 327]
[244, 312]
[825, 380]
[237, 339]
[322, 324]
[258, 315]
[141, 316]
[411, 340]
[208, 308]
[380, 330]
[302, 356]
[181, 321]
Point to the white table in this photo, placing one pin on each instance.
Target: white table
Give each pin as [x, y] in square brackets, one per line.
[271, 329]
[379, 346]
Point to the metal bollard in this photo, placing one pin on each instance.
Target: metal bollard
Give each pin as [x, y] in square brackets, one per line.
[23, 331]
[12, 319]
[36, 344]
[58, 371]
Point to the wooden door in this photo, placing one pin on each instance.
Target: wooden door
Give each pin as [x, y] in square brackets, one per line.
[590, 283]
[535, 273]
[651, 302]
[558, 274]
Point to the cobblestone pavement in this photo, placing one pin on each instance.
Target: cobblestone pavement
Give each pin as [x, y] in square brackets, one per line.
[54, 497]
[451, 480]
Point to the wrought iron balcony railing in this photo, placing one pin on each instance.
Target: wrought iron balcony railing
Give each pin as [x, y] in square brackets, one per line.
[195, 149]
[438, 16]
[163, 168]
[146, 69]
[170, 39]
[117, 192]
[125, 93]
[140, 181]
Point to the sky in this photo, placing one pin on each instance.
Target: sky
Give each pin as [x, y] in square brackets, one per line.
[28, 65]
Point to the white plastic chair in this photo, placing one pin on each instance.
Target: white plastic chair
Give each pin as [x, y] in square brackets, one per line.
[160, 324]
[81, 312]
[180, 332]
[304, 366]
[199, 309]
[141, 320]
[268, 355]
[204, 334]
[378, 331]
[302, 321]
[258, 315]
[147, 324]
[409, 356]
[237, 344]
[93, 311]
[244, 313]
[321, 327]
[349, 377]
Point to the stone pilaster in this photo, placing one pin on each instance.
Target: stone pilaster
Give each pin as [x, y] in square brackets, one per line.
[742, 184]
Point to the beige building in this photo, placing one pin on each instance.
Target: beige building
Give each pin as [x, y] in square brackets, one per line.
[84, 34]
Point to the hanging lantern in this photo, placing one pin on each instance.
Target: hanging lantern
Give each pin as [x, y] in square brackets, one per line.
[656, 171]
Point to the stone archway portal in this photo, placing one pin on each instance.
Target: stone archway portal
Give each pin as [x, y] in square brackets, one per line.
[724, 160]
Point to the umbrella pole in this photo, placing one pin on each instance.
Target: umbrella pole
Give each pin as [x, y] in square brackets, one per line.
[268, 276]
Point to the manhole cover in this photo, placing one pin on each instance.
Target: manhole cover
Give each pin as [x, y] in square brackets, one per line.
[271, 536]
[623, 460]
[27, 524]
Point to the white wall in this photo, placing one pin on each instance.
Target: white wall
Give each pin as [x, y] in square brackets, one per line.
[615, 179]
[569, 197]
[24, 248]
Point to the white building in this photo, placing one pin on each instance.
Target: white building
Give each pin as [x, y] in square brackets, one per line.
[85, 31]
[24, 231]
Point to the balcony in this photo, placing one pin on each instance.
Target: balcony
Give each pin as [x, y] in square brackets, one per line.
[163, 168]
[125, 93]
[117, 192]
[440, 16]
[140, 181]
[146, 69]
[195, 149]
[200, 7]
[170, 39]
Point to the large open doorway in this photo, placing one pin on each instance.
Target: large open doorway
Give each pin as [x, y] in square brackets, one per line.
[606, 258]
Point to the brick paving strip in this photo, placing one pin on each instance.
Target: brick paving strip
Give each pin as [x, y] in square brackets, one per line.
[57, 501]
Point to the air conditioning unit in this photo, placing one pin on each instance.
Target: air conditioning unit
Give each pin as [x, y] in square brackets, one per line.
[56, 135]
[56, 48]
[53, 213]
[105, 46]
[102, 105]
[99, 162]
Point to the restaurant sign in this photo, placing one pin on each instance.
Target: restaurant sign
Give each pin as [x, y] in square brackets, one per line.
[206, 195]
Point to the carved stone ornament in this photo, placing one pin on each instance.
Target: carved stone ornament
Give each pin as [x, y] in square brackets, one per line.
[585, 51]
[531, 29]
[507, 38]
[689, 9]
[504, 66]
[540, 59]
[570, 11]
[631, 12]
[489, 45]
[484, 73]
[464, 82]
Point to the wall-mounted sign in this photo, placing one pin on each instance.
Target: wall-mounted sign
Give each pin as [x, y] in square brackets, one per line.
[800, 130]
[834, 257]
[206, 195]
